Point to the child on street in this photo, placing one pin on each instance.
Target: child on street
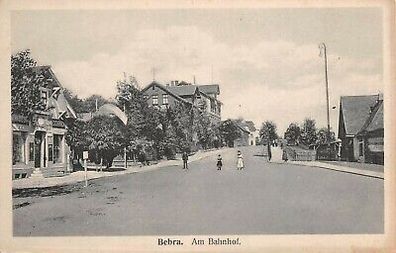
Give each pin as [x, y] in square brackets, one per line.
[219, 162]
[240, 163]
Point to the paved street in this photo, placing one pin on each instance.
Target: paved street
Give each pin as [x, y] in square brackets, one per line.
[265, 198]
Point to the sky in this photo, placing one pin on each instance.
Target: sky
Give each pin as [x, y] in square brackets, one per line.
[266, 61]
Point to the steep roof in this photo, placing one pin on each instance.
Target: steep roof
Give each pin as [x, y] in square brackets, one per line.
[189, 89]
[57, 103]
[48, 73]
[376, 120]
[356, 110]
[240, 125]
[165, 88]
[250, 125]
[59, 106]
[210, 88]
[183, 90]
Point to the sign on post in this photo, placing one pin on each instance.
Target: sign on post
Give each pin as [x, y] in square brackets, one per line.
[85, 158]
[85, 155]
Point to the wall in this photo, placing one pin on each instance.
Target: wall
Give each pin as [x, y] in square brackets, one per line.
[158, 91]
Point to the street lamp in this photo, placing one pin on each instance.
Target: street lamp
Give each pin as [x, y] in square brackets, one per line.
[323, 49]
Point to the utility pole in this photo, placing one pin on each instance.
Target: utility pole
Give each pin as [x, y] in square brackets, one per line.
[125, 149]
[322, 47]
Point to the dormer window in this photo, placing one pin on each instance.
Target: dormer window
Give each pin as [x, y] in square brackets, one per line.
[44, 97]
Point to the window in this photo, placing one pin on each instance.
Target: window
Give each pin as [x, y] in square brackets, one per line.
[165, 99]
[17, 149]
[145, 97]
[50, 148]
[155, 100]
[44, 97]
[57, 154]
[31, 151]
[50, 155]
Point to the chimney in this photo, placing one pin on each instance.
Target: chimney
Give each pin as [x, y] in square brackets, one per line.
[380, 97]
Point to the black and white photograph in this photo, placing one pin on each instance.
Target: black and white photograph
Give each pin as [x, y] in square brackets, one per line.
[198, 127]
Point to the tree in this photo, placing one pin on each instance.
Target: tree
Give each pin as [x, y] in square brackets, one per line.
[308, 132]
[105, 138]
[94, 101]
[131, 98]
[203, 128]
[268, 132]
[76, 138]
[293, 134]
[86, 105]
[180, 119]
[229, 132]
[321, 136]
[25, 84]
[75, 102]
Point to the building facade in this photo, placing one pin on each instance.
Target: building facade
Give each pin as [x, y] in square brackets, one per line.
[248, 133]
[204, 97]
[38, 143]
[361, 128]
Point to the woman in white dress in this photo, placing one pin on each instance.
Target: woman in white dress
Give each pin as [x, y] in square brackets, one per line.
[240, 163]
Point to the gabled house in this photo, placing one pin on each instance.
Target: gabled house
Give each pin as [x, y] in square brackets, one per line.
[361, 128]
[249, 133]
[201, 96]
[254, 133]
[39, 147]
[244, 133]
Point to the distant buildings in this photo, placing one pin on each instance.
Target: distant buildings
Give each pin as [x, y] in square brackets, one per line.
[361, 128]
[38, 143]
[201, 96]
[248, 133]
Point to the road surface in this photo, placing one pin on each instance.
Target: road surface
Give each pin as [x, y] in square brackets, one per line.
[265, 198]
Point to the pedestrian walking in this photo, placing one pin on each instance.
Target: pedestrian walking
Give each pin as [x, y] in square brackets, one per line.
[219, 162]
[185, 159]
[284, 155]
[240, 163]
[269, 152]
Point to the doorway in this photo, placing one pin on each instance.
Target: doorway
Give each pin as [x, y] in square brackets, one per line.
[39, 151]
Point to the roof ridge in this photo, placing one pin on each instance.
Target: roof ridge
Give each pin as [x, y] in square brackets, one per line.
[359, 96]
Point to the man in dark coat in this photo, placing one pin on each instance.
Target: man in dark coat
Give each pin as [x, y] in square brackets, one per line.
[269, 151]
[185, 159]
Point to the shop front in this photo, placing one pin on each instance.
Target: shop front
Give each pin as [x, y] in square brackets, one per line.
[39, 147]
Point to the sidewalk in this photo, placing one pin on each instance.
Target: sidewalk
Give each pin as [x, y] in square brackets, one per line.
[79, 175]
[323, 165]
[277, 158]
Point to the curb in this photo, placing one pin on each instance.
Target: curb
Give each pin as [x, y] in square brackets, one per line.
[167, 163]
[354, 171]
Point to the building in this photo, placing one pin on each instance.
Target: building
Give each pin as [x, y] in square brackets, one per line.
[38, 144]
[202, 96]
[249, 133]
[361, 128]
[246, 132]
[254, 132]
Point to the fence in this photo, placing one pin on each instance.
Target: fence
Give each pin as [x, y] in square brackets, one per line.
[299, 154]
